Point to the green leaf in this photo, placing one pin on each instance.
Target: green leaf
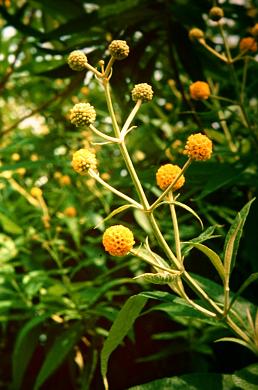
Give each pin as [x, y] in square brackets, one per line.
[121, 326]
[8, 225]
[235, 340]
[8, 249]
[206, 235]
[143, 221]
[233, 238]
[214, 258]
[247, 378]
[24, 347]
[252, 278]
[196, 381]
[113, 213]
[184, 206]
[58, 352]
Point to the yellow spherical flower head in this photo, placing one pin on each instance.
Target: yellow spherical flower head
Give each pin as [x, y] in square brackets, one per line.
[200, 90]
[118, 49]
[70, 211]
[83, 160]
[248, 44]
[82, 114]
[36, 192]
[118, 240]
[196, 33]
[166, 174]
[77, 60]
[142, 92]
[216, 13]
[198, 147]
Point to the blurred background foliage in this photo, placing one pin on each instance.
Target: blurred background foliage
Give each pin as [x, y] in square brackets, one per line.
[56, 283]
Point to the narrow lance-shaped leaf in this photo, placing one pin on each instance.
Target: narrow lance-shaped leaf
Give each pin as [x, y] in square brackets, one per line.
[213, 256]
[251, 278]
[24, 347]
[56, 355]
[233, 238]
[121, 326]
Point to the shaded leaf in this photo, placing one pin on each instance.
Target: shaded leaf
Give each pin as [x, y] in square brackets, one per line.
[252, 278]
[213, 256]
[233, 238]
[24, 347]
[121, 326]
[58, 352]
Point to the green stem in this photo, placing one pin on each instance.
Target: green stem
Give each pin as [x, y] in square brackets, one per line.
[175, 226]
[242, 92]
[95, 176]
[130, 118]
[108, 67]
[213, 51]
[229, 58]
[102, 135]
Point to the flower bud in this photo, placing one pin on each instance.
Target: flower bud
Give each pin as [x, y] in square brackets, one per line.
[216, 13]
[118, 240]
[82, 114]
[166, 174]
[200, 90]
[83, 160]
[198, 147]
[142, 92]
[118, 49]
[77, 60]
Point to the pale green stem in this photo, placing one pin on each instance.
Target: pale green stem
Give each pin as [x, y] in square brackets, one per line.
[238, 330]
[242, 92]
[94, 70]
[105, 136]
[224, 125]
[96, 176]
[224, 99]
[108, 67]
[240, 55]
[175, 226]
[170, 187]
[192, 303]
[201, 293]
[131, 117]
[229, 57]
[213, 51]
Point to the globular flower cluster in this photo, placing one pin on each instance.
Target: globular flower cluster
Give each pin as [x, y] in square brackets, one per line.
[83, 160]
[36, 192]
[82, 114]
[143, 92]
[166, 174]
[196, 33]
[216, 13]
[198, 147]
[118, 240]
[118, 49]
[248, 44]
[199, 90]
[77, 60]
